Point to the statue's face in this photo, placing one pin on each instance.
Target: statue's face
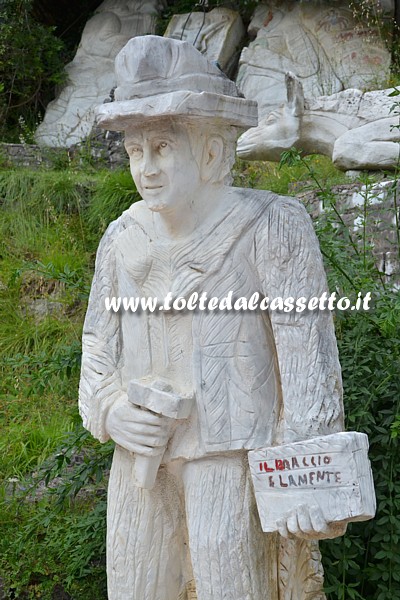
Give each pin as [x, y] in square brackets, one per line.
[163, 167]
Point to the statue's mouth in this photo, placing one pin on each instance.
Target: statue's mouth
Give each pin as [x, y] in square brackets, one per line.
[244, 150]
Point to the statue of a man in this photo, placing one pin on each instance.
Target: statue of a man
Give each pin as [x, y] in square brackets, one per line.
[254, 377]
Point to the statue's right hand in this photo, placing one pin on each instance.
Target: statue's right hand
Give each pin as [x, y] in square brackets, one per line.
[137, 429]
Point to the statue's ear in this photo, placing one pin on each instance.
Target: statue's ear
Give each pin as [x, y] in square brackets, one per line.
[212, 158]
[295, 94]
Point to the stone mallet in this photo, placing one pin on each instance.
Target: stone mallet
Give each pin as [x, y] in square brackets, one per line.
[158, 397]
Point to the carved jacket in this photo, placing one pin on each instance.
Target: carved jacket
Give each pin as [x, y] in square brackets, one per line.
[259, 377]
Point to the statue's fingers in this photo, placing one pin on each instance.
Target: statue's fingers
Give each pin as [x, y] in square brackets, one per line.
[292, 523]
[318, 520]
[153, 441]
[304, 520]
[282, 528]
[141, 449]
[144, 429]
[135, 430]
[146, 417]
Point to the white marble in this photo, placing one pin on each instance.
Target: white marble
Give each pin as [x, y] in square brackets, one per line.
[70, 117]
[193, 391]
[207, 91]
[357, 130]
[322, 43]
[218, 37]
[331, 473]
[157, 396]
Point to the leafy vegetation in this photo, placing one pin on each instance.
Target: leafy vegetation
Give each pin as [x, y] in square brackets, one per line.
[50, 226]
[31, 64]
[364, 564]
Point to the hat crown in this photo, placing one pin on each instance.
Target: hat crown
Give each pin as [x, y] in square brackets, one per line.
[161, 77]
[150, 65]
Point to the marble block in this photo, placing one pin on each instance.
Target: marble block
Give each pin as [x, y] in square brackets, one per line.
[218, 38]
[332, 472]
[159, 398]
[323, 44]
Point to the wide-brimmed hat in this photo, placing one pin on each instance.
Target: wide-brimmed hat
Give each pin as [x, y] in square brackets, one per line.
[162, 77]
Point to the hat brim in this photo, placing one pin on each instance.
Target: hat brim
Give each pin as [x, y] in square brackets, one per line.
[123, 114]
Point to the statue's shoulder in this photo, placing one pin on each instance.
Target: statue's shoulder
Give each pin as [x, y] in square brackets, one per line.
[136, 217]
[271, 205]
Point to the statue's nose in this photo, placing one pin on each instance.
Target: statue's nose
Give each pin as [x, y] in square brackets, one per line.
[150, 164]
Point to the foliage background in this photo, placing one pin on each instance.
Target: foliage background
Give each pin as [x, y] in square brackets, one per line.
[31, 63]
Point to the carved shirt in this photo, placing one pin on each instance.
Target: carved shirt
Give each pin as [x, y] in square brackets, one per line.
[258, 376]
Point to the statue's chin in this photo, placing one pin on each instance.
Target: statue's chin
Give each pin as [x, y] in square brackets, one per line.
[154, 204]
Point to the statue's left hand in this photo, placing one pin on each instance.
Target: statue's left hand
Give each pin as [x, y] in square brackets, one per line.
[308, 522]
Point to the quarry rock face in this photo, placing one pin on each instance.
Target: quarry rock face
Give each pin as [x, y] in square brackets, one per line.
[217, 34]
[324, 44]
[69, 118]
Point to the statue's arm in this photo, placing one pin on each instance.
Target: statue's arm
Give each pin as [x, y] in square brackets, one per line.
[100, 384]
[103, 401]
[290, 266]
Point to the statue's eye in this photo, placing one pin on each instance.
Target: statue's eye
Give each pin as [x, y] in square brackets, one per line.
[135, 151]
[162, 146]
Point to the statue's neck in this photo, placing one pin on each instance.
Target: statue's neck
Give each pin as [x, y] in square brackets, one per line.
[183, 223]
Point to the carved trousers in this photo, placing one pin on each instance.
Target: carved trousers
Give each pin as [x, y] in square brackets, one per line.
[198, 523]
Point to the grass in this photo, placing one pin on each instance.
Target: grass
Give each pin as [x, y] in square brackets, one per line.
[48, 241]
[286, 179]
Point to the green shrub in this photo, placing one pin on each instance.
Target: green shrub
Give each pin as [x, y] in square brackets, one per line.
[365, 563]
[30, 65]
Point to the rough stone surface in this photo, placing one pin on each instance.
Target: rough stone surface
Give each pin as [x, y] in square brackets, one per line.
[257, 381]
[41, 308]
[105, 148]
[70, 117]
[322, 43]
[218, 38]
[22, 155]
[102, 148]
[359, 131]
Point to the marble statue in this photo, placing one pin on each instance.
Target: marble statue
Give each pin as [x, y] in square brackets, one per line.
[185, 394]
[69, 118]
[324, 43]
[217, 34]
[358, 130]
